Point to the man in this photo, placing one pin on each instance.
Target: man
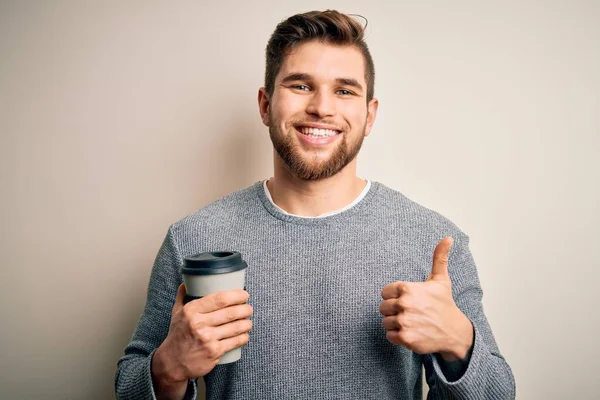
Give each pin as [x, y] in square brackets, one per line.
[351, 287]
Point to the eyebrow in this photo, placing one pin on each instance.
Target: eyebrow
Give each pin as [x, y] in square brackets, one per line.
[297, 76]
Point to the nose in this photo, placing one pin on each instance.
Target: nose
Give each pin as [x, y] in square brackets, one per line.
[321, 105]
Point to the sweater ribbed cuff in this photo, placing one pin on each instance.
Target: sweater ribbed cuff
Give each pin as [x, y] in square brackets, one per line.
[471, 380]
[191, 392]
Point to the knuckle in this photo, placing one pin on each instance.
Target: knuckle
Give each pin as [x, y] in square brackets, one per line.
[400, 303]
[244, 311]
[246, 325]
[406, 337]
[213, 351]
[203, 335]
[187, 313]
[244, 339]
[220, 300]
[399, 320]
[404, 288]
[404, 321]
[230, 314]
[406, 302]
[239, 327]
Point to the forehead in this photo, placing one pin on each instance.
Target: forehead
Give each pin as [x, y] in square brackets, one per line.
[325, 62]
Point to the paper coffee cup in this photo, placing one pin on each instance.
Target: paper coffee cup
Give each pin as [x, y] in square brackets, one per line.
[212, 272]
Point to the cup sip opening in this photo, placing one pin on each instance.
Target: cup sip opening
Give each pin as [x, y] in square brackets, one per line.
[220, 254]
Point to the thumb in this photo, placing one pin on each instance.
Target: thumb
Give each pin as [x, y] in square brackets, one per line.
[439, 270]
[179, 300]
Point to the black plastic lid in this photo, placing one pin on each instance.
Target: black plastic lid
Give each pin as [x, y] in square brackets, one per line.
[213, 262]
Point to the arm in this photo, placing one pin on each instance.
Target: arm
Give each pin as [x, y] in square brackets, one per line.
[484, 374]
[140, 364]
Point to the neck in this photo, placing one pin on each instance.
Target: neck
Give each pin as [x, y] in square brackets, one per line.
[313, 198]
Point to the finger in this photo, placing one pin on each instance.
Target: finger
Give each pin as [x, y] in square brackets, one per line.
[391, 323]
[234, 342]
[231, 329]
[394, 337]
[392, 291]
[439, 270]
[227, 314]
[218, 301]
[390, 307]
[179, 299]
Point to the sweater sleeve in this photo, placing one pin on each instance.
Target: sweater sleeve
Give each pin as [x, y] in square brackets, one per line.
[133, 378]
[487, 375]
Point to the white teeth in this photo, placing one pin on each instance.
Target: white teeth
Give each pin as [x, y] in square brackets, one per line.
[318, 132]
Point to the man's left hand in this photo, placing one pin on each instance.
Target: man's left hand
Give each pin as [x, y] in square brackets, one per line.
[423, 317]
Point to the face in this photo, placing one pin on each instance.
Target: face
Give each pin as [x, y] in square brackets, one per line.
[318, 114]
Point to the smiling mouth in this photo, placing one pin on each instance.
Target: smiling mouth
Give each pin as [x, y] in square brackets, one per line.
[317, 133]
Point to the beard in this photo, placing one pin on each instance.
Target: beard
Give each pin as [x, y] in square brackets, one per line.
[311, 167]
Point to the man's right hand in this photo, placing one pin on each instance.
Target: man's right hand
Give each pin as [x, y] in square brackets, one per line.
[200, 332]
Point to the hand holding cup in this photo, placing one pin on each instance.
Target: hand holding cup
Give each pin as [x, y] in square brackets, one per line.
[209, 321]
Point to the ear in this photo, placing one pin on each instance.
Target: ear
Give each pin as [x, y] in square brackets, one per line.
[263, 105]
[371, 115]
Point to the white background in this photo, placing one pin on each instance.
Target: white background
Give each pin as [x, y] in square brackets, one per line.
[119, 118]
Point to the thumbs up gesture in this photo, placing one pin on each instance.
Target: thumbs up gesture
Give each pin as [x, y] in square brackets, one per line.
[423, 317]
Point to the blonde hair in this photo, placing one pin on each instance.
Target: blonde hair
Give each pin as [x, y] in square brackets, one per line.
[329, 26]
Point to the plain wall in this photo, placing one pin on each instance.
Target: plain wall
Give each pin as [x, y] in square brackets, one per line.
[119, 118]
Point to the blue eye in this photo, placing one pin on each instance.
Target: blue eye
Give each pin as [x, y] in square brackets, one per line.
[344, 92]
[303, 88]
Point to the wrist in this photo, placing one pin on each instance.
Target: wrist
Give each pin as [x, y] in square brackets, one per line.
[460, 342]
[164, 374]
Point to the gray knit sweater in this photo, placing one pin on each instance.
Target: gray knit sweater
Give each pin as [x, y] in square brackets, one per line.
[315, 286]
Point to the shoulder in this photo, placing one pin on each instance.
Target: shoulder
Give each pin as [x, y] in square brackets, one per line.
[406, 213]
[236, 206]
